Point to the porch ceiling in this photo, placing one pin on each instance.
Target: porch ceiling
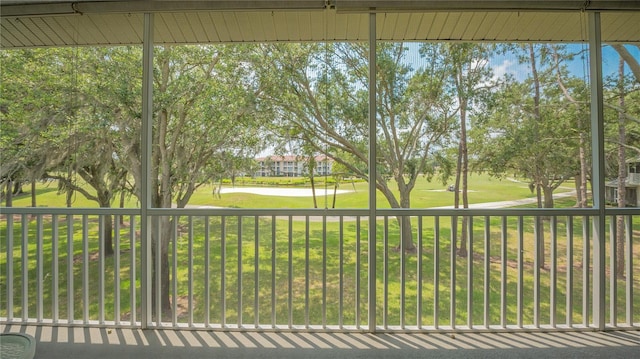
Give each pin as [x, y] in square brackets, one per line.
[43, 23]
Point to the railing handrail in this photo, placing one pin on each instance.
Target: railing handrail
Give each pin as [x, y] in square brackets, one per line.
[264, 239]
[70, 210]
[314, 212]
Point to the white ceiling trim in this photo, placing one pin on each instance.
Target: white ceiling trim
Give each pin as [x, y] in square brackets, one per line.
[98, 23]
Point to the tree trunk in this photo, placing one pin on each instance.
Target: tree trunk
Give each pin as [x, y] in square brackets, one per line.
[462, 251]
[406, 234]
[161, 226]
[622, 174]
[104, 200]
[312, 165]
[108, 236]
[539, 230]
[405, 224]
[583, 172]
[578, 188]
[17, 187]
[548, 197]
[160, 242]
[313, 189]
[335, 193]
[69, 198]
[9, 198]
[34, 203]
[122, 197]
[456, 204]
[107, 231]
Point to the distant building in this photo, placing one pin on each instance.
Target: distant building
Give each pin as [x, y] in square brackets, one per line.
[632, 185]
[292, 166]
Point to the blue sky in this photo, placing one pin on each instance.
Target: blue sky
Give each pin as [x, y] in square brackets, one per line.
[509, 64]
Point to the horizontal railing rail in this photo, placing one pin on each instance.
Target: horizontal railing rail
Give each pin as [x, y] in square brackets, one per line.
[307, 269]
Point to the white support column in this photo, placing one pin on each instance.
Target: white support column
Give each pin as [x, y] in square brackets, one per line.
[372, 173]
[597, 153]
[145, 160]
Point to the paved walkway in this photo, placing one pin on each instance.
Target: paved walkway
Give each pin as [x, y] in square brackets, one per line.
[97, 343]
[516, 202]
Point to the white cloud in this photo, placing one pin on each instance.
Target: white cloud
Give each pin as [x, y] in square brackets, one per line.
[506, 67]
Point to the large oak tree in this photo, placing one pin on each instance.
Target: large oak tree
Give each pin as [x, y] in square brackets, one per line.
[319, 92]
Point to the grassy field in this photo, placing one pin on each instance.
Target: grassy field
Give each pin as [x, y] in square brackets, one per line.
[482, 188]
[286, 256]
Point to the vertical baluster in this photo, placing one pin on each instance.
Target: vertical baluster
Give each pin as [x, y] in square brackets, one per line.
[132, 270]
[223, 273]
[70, 287]
[324, 271]
[239, 293]
[101, 250]
[207, 270]
[158, 267]
[256, 272]
[503, 272]
[419, 279]
[273, 271]
[290, 277]
[613, 277]
[470, 279]
[116, 272]
[85, 269]
[385, 266]
[55, 236]
[629, 269]
[520, 269]
[39, 268]
[452, 270]
[357, 274]
[569, 288]
[553, 296]
[25, 266]
[190, 275]
[341, 275]
[586, 263]
[537, 235]
[174, 272]
[306, 272]
[402, 275]
[9, 283]
[436, 273]
[487, 269]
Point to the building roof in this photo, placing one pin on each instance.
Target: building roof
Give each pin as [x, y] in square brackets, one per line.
[44, 23]
[292, 158]
[629, 183]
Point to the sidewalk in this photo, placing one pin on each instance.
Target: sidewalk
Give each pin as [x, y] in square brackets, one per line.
[513, 203]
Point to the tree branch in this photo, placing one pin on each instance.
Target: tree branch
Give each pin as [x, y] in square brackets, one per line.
[629, 59]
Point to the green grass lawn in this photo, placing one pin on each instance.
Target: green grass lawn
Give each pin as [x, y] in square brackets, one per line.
[482, 188]
[294, 298]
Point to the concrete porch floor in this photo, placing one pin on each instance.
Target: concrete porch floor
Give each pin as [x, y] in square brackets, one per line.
[95, 343]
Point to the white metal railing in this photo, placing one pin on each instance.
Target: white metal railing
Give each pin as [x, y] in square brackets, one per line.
[309, 269]
[54, 268]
